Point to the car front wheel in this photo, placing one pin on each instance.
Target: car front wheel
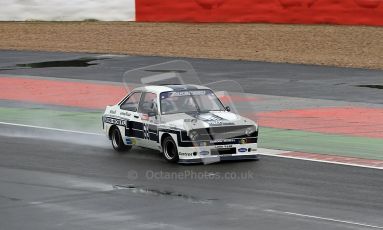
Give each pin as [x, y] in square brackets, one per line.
[117, 142]
[170, 150]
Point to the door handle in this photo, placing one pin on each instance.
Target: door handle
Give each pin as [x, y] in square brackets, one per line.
[136, 116]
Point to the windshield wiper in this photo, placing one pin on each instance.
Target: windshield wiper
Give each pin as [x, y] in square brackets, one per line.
[196, 104]
[198, 109]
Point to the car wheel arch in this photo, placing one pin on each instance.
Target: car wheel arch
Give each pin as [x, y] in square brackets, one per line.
[111, 131]
[163, 136]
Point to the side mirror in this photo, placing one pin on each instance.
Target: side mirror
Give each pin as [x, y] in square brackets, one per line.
[227, 108]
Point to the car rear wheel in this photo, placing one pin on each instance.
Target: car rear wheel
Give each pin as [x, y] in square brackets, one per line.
[117, 142]
[170, 150]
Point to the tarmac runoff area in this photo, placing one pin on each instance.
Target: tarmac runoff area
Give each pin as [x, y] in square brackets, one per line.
[321, 169]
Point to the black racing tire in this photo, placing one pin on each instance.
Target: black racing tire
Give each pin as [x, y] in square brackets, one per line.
[117, 142]
[169, 149]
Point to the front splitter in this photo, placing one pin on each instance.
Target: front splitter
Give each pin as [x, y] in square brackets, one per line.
[214, 159]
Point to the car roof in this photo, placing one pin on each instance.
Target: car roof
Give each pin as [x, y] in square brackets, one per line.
[165, 88]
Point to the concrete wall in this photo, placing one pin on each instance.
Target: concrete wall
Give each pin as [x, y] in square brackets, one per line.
[67, 10]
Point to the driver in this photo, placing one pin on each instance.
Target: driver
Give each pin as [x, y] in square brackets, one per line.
[185, 104]
[178, 104]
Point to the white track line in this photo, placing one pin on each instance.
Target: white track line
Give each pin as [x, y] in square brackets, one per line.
[322, 161]
[271, 152]
[48, 128]
[324, 218]
[263, 152]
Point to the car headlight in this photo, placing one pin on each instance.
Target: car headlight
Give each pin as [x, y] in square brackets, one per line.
[250, 130]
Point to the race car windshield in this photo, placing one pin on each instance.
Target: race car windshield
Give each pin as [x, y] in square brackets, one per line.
[189, 101]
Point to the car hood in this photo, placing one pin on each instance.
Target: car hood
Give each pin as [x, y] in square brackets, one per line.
[188, 121]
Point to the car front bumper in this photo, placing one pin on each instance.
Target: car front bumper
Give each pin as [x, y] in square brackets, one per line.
[213, 159]
[211, 154]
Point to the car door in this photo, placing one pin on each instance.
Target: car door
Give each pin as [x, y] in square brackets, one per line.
[148, 112]
[129, 111]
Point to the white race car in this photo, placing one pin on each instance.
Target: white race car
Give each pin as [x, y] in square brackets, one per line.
[187, 123]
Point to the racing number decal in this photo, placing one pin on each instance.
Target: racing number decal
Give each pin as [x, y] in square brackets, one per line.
[146, 131]
[115, 121]
[142, 130]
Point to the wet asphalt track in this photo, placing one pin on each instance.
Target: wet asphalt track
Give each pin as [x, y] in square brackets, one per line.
[70, 181]
[49, 184]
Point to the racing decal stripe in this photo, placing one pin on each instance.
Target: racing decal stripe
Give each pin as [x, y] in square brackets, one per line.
[152, 128]
[178, 134]
[181, 87]
[153, 137]
[142, 130]
[137, 125]
[146, 131]
[210, 118]
[183, 140]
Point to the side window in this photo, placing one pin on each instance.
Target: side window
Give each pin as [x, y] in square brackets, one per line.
[146, 104]
[131, 103]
